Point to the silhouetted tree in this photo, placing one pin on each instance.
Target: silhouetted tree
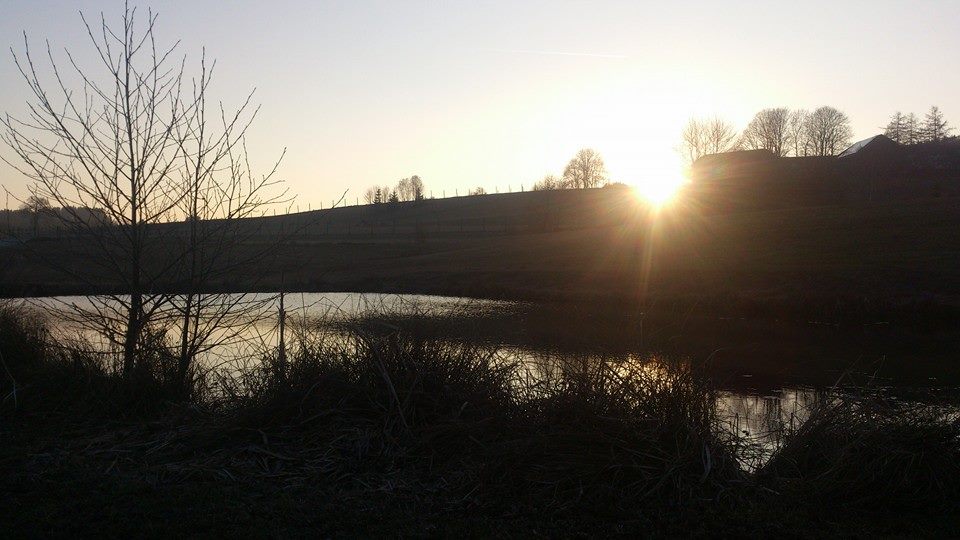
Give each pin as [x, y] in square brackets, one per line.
[703, 137]
[800, 144]
[478, 191]
[769, 130]
[935, 127]
[416, 188]
[585, 170]
[896, 129]
[394, 198]
[911, 129]
[409, 189]
[828, 131]
[548, 182]
[134, 145]
[371, 195]
[404, 190]
[36, 206]
[218, 190]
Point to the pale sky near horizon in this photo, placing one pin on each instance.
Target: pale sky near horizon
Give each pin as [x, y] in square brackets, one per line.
[501, 93]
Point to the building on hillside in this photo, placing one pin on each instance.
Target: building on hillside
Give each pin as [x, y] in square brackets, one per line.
[730, 164]
[876, 169]
[872, 146]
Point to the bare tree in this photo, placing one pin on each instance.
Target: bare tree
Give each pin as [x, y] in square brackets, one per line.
[416, 188]
[370, 196]
[704, 137]
[219, 190]
[478, 191]
[935, 127]
[692, 145]
[408, 189]
[404, 190]
[548, 182]
[135, 145]
[35, 203]
[37, 206]
[721, 136]
[585, 170]
[798, 132]
[828, 131]
[911, 129]
[769, 130]
[896, 128]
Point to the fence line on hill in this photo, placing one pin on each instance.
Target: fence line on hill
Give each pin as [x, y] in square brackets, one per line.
[329, 228]
[433, 195]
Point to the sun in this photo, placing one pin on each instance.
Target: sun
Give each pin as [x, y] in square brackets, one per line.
[656, 175]
[659, 187]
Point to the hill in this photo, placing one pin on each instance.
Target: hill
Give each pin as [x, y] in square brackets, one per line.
[593, 244]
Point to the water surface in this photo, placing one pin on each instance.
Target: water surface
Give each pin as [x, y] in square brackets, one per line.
[757, 408]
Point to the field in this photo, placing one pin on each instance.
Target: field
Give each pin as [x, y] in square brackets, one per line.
[872, 261]
[413, 424]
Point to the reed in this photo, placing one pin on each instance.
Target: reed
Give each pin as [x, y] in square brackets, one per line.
[375, 419]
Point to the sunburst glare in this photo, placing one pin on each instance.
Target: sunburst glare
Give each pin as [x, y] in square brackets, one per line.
[659, 187]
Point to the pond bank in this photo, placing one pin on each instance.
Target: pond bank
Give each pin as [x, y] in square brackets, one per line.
[410, 435]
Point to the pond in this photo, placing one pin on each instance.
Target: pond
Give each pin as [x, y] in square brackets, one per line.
[754, 405]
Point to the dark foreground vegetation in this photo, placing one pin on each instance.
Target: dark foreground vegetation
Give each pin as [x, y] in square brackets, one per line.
[383, 431]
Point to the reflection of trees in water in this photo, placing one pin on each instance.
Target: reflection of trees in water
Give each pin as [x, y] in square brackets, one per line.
[757, 415]
[764, 419]
[348, 326]
[548, 366]
[328, 322]
[633, 376]
[760, 419]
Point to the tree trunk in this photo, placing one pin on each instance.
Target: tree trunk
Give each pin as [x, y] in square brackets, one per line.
[183, 365]
[132, 334]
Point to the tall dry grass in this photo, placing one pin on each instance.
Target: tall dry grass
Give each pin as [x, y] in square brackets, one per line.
[865, 449]
[378, 411]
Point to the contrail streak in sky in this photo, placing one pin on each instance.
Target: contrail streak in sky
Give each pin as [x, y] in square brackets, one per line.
[557, 53]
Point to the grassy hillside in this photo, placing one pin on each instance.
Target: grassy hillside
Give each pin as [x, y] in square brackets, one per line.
[596, 244]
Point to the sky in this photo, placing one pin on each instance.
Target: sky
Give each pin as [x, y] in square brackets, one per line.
[498, 94]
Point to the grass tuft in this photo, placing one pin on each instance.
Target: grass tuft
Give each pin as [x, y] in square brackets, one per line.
[870, 451]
